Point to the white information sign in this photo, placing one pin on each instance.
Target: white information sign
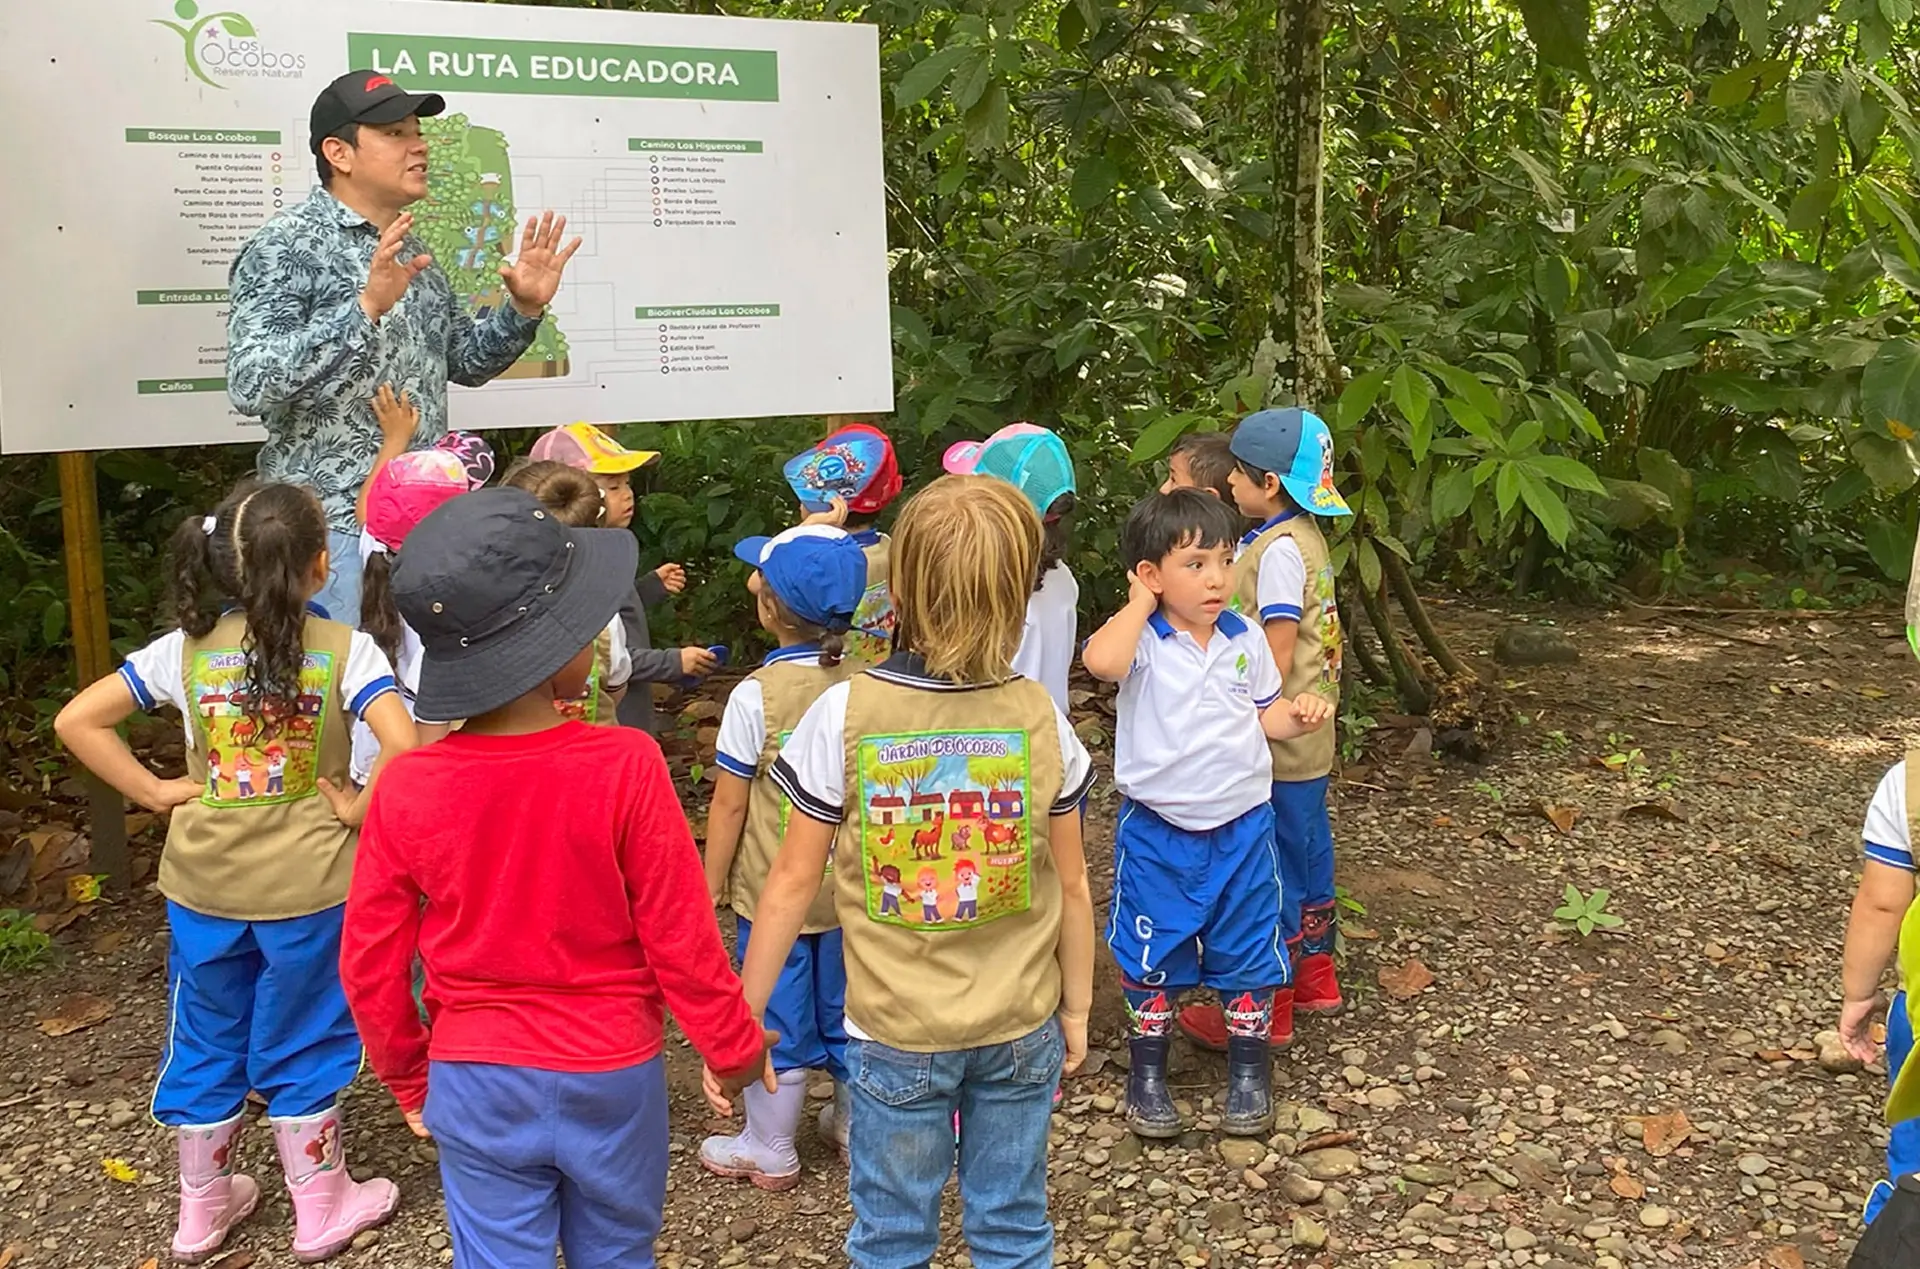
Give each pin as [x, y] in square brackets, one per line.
[725, 174]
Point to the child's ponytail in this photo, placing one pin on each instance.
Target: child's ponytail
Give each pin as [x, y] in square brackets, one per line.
[1053, 538]
[833, 646]
[190, 562]
[379, 615]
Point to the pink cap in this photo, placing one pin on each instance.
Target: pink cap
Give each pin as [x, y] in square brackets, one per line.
[409, 488]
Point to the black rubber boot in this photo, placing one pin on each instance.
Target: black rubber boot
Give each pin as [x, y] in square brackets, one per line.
[1150, 1110]
[1249, 1088]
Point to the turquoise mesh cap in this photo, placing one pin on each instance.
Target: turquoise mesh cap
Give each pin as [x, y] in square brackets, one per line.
[1031, 459]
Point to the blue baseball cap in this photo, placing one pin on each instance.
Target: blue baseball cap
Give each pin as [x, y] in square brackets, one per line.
[819, 572]
[1295, 445]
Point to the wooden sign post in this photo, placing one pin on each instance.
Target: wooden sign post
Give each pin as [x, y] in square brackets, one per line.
[92, 646]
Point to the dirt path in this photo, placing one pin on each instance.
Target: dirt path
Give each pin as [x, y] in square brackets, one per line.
[1498, 1117]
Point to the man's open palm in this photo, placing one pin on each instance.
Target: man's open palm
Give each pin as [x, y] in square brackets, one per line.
[533, 277]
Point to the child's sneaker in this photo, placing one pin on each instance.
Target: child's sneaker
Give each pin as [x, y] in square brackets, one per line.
[1249, 1088]
[1206, 1024]
[836, 1120]
[1150, 1110]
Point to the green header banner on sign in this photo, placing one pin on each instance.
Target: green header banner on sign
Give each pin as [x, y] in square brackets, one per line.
[453, 63]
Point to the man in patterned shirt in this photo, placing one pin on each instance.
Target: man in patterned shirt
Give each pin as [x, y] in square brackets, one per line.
[333, 298]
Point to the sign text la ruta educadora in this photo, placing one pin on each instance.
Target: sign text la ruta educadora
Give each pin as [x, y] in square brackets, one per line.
[455, 63]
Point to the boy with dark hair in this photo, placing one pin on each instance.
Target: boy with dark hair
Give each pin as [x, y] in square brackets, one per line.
[1282, 479]
[1196, 890]
[1201, 460]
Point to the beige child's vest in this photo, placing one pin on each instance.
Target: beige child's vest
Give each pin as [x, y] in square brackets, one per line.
[870, 641]
[787, 690]
[948, 895]
[261, 844]
[1316, 651]
[596, 704]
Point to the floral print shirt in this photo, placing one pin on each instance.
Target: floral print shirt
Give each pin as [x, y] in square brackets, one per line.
[303, 358]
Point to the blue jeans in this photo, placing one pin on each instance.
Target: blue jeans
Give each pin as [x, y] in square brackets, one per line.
[532, 1158]
[341, 595]
[903, 1150]
[1304, 834]
[253, 1004]
[1903, 1144]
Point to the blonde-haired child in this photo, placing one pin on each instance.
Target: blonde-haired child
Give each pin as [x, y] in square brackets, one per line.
[806, 582]
[941, 760]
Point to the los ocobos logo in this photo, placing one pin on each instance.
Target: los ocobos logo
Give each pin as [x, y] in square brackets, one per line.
[226, 46]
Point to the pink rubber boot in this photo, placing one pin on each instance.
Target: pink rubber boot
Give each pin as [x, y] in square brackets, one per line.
[764, 1153]
[213, 1197]
[329, 1206]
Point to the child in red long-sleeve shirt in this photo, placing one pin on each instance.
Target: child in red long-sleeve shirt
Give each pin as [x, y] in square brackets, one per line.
[555, 928]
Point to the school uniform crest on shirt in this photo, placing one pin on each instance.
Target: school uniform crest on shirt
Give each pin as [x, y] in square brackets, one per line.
[951, 810]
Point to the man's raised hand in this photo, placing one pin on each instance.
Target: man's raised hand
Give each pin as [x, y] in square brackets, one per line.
[534, 275]
[387, 277]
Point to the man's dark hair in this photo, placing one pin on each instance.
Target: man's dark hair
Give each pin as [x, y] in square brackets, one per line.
[1162, 523]
[1209, 459]
[348, 132]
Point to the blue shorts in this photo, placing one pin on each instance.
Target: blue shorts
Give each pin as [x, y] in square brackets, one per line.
[253, 1004]
[809, 1004]
[1194, 909]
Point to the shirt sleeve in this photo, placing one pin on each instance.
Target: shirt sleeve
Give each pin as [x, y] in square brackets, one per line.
[154, 675]
[743, 731]
[1078, 764]
[619, 659]
[812, 767]
[1263, 675]
[481, 347]
[1885, 832]
[668, 887]
[1282, 588]
[278, 346]
[1143, 651]
[379, 938]
[368, 676]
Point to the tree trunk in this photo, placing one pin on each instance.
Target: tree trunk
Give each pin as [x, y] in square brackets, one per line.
[1306, 372]
[1408, 685]
[1402, 583]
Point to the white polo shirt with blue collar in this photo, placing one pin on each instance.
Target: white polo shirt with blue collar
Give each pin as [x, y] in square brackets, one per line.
[743, 726]
[1188, 744]
[1282, 584]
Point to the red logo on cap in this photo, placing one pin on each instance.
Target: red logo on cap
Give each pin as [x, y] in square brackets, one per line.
[377, 81]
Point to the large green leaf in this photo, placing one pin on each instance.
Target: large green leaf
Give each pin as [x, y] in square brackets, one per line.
[1752, 16]
[1358, 397]
[1890, 543]
[1570, 473]
[1664, 472]
[1632, 503]
[1094, 180]
[1547, 507]
[1412, 394]
[1890, 464]
[971, 77]
[1890, 389]
[1812, 98]
[1157, 437]
[1558, 29]
[1688, 14]
[928, 74]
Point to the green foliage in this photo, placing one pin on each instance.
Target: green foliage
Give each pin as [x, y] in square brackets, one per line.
[1586, 913]
[21, 945]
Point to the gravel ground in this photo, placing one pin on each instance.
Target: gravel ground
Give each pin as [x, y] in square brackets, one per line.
[1659, 1095]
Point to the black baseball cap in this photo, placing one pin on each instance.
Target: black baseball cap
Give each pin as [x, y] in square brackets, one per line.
[365, 96]
[502, 596]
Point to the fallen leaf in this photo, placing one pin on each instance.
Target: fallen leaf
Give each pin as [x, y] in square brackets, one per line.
[11, 1253]
[120, 1170]
[1518, 841]
[1823, 629]
[1785, 1256]
[1664, 809]
[151, 1262]
[1561, 817]
[83, 887]
[1802, 1055]
[1873, 693]
[1662, 1134]
[75, 1013]
[1443, 821]
[1421, 746]
[233, 1260]
[56, 850]
[1406, 982]
[1627, 1187]
[1475, 834]
[109, 943]
[701, 710]
[1349, 930]
[16, 865]
[54, 922]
